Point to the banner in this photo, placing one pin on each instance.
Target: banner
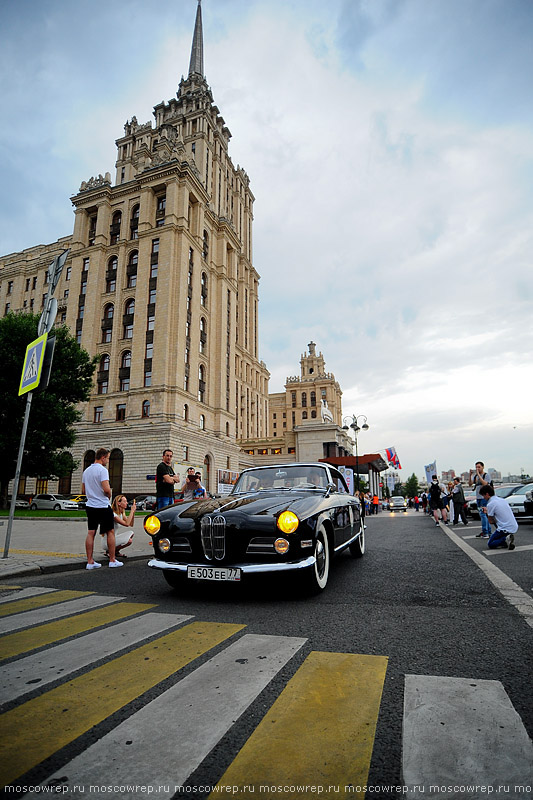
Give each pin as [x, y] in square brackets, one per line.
[392, 458]
[430, 470]
[348, 477]
[391, 484]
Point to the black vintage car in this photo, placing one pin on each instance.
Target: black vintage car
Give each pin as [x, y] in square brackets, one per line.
[277, 519]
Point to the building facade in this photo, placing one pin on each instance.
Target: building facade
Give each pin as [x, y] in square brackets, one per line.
[160, 285]
[305, 421]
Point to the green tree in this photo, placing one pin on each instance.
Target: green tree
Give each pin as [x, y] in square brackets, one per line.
[411, 487]
[53, 411]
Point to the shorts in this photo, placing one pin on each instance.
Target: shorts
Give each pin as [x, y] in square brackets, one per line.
[100, 518]
[436, 504]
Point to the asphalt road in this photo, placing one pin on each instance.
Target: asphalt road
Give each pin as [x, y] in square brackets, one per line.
[415, 598]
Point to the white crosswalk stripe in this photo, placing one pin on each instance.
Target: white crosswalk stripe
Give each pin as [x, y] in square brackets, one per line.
[22, 676]
[23, 593]
[40, 615]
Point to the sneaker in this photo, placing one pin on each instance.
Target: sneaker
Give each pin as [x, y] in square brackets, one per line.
[510, 541]
[94, 565]
[437, 524]
[479, 535]
[115, 564]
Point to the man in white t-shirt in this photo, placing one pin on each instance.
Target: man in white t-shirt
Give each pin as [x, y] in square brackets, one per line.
[500, 514]
[98, 509]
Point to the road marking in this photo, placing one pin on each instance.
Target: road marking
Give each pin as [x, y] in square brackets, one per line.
[48, 554]
[40, 615]
[30, 603]
[38, 728]
[461, 731]
[39, 669]
[29, 592]
[320, 731]
[507, 587]
[500, 550]
[182, 725]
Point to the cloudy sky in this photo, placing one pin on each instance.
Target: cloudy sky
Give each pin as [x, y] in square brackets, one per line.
[389, 145]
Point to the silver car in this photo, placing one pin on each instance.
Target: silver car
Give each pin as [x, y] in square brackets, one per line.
[517, 499]
[57, 502]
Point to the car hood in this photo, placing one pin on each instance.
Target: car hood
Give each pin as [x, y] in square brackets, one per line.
[258, 503]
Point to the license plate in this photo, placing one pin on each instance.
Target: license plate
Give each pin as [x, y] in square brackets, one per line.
[214, 573]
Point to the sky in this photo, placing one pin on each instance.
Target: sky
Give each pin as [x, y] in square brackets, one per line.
[389, 145]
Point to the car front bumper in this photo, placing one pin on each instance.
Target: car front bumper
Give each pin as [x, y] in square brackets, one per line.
[247, 568]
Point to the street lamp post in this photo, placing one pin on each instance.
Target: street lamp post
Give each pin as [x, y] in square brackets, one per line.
[354, 425]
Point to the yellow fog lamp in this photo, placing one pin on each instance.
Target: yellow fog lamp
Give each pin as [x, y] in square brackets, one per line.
[152, 525]
[281, 546]
[164, 545]
[288, 522]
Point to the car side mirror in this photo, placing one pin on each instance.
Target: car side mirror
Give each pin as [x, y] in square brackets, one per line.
[330, 488]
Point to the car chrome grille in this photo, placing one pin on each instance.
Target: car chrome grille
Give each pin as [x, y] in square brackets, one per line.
[213, 531]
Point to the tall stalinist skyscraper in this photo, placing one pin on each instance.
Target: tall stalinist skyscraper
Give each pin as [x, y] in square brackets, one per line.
[160, 285]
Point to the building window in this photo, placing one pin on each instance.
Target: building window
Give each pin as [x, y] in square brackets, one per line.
[92, 230]
[263, 452]
[124, 384]
[146, 409]
[152, 296]
[203, 296]
[107, 323]
[121, 412]
[205, 246]
[98, 414]
[313, 399]
[160, 211]
[28, 281]
[114, 230]
[149, 350]
[203, 335]
[9, 287]
[78, 337]
[202, 422]
[129, 311]
[34, 282]
[66, 293]
[185, 452]
[186, 412]
[201, 383]
[126, 360]
[103, 386]
[134, 223]
[147, 377]
[150, 325]
[291, 450]
[276, 451]
[67, 274]
[293, 399]
[304, 400]
[131, 269]
[104, 363]
[111, 275]
[304, 415]
[313, 414]
[249, 452]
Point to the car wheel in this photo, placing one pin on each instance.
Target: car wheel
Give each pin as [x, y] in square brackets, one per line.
[33, 507]
[174, 579]
[316, 577]
[57, 507]
[357, 549]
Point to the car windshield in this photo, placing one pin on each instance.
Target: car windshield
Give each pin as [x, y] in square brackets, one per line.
[61, 497]
[528, 487]
[505, 491]
[285, 477]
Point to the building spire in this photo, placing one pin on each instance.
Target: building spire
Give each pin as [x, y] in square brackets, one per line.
[196, 65]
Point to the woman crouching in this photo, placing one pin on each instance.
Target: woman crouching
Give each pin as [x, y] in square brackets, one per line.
[123, 525]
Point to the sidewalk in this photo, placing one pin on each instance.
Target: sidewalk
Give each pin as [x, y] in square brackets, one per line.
[41, 546]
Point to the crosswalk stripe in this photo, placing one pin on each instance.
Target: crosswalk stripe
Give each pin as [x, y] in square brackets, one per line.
[41, 615]
[461, 732]
[39, 669]
[320, 731]
[40, 727]
[184, 723]
[29, 592]
[31, 603]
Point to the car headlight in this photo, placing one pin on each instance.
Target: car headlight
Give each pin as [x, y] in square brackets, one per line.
[164, 545]
[281, 546]
[288, 522]
[152, 525]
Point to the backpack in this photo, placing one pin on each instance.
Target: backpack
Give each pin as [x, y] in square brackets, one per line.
[434, 491]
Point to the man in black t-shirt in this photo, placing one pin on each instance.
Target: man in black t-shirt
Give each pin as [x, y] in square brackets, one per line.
[165, 480]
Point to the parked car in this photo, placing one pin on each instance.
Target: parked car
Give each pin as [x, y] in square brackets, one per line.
[517, 502]
[146, 502]
[80, 499]
[397, 504]
[289, 518]
[20, 502]
[56, 501]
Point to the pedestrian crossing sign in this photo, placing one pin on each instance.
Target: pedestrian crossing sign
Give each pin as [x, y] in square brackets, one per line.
[33, 364]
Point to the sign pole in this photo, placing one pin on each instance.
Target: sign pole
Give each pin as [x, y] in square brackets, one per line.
[17, 475]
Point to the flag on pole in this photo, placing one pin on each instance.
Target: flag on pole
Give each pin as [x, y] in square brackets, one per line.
[392, 457]
[430, 470]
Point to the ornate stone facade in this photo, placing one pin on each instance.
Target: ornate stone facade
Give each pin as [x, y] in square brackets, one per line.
[160, 285]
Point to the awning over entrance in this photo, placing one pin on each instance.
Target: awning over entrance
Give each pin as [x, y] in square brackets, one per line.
[370, 464]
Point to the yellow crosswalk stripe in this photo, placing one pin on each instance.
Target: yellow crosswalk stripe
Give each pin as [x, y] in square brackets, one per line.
[39, 601]
[40, 727]
[15, 644]
[319, 732]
